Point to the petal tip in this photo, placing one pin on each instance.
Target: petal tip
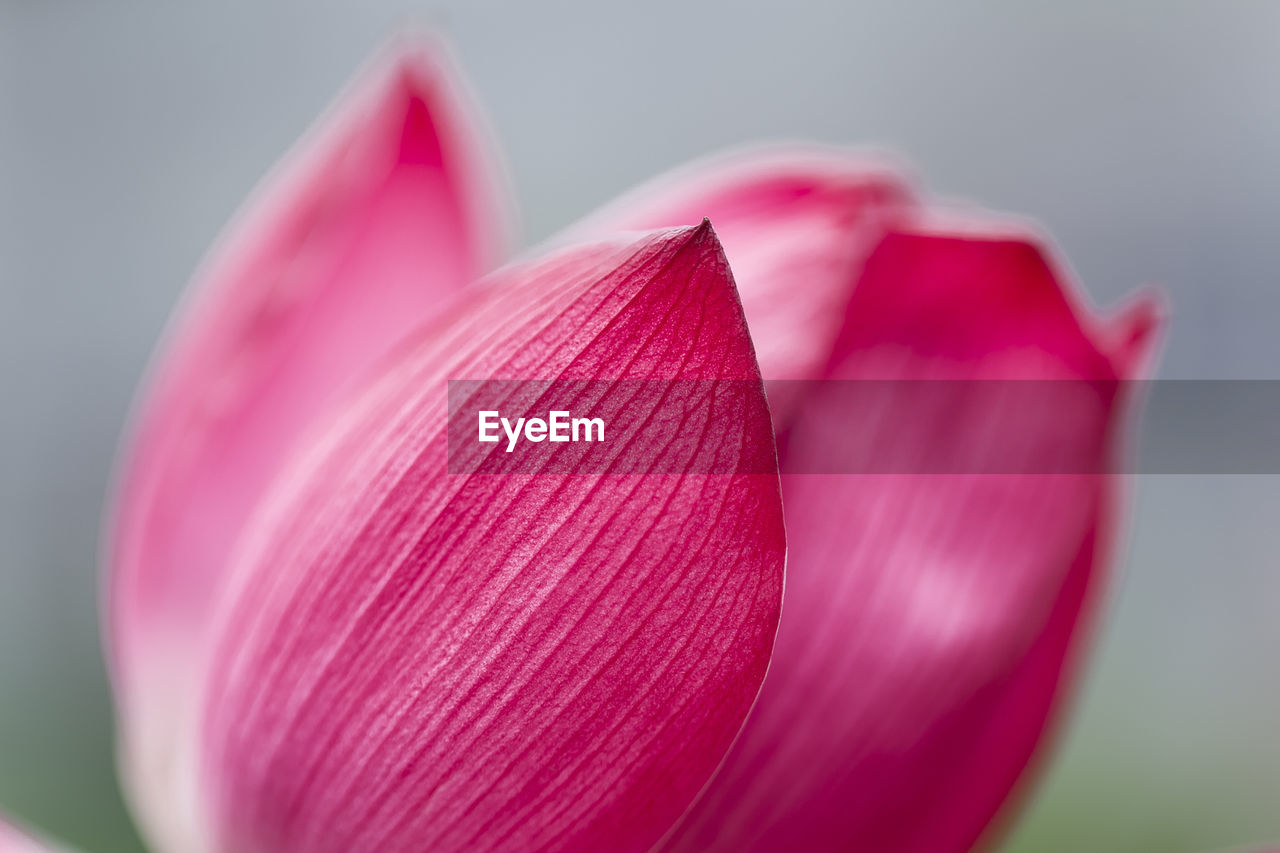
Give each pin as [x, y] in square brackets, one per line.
[1137, 332]
[433, 116]
[587, 687]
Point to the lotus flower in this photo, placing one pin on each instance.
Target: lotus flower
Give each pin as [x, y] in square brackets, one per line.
[322, 639]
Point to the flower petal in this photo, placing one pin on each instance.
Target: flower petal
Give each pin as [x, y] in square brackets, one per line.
[796, 222]
[419, 660]
[14, 840]
[931, 620]
[381, 213]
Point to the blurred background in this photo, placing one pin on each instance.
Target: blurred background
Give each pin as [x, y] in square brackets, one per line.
[1143, 134]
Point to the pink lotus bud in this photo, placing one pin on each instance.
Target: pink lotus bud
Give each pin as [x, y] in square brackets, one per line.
[329, 632]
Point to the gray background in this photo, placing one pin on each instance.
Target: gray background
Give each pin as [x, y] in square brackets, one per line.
[1143, 134]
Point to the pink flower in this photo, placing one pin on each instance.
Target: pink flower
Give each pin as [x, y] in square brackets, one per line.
[322, 639]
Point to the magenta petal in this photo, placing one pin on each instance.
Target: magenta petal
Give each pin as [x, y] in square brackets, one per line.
[422, 660]
[380, 213]
[931, 621]
[796, 222]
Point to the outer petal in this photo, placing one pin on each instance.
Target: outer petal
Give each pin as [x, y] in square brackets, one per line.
[382, 212]
[418, 660]
[13, 840]
[796, 222]
[930, 620]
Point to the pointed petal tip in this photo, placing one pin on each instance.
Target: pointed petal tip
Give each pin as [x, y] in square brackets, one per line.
[578, 693]
[1136, 332]
[417, 65]
[700, 239]
[432, 116]
[387, 206]
[704, 233]
[1135, 326]
[1004, 272]
[796, 222]
[704, 246]
[416, 58]
[410, 84]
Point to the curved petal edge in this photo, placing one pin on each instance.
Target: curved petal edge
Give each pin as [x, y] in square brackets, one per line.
[933, 620]
[797, 223]
[416, 659]
[383, 212]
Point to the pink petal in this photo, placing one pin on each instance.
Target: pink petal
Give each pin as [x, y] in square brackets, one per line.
[419, 660]
[380, 213]
[931, 622]
[796, 222]
[14, 840]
